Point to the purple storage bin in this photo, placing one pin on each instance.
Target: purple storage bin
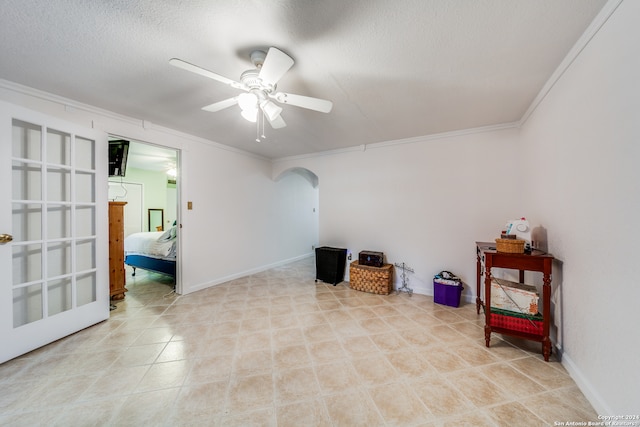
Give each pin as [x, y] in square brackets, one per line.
[447, 294]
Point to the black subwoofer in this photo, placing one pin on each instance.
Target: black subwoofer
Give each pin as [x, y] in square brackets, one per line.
[330, 264]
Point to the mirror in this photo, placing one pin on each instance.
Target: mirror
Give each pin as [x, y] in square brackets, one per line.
[156, 220]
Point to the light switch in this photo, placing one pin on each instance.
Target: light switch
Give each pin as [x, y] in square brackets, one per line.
[189, 205]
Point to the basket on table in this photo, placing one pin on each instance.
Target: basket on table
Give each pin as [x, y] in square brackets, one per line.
[510, 246]
[517, 321]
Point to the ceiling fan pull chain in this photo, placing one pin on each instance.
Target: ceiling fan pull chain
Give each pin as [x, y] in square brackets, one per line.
[263, 120]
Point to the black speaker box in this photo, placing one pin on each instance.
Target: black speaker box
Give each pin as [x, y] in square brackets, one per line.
[330, 264]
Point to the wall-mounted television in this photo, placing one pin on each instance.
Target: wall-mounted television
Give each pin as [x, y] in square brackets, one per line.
[118, 153]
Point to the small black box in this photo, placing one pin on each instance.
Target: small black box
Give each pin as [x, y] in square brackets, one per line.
[370, 258]
[330, 264]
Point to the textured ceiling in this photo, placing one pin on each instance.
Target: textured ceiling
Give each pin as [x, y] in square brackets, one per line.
[393, 69]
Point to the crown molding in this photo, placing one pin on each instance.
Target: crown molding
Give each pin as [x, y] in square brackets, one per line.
[412, 140]
[586, 37]
[74, 106]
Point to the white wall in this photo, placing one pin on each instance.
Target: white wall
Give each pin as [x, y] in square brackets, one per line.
[582, 152]
[236, 226]
[572, 169]
[132, 194]
[171, 214]
[243, 215]
[423, 203]
[155, 193]
[154, 185]
[155, 189]
[300, 213]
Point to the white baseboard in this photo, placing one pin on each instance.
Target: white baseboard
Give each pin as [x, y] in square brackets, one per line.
[585, 386]
[245, 273]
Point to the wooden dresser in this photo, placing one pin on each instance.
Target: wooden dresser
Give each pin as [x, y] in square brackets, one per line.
[117, 277]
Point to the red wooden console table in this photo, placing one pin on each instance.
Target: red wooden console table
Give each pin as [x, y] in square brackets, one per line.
[536, 261]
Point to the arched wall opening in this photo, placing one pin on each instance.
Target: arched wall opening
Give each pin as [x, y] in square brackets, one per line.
[303, 187]
[303, 172]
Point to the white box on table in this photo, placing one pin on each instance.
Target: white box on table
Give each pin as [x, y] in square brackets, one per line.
[514, 296]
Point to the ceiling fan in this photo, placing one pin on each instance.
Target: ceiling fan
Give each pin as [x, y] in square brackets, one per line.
[259, 85]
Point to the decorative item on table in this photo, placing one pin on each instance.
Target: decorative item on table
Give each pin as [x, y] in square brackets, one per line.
[531, 324]
[447, 289]
[510, 246]
[371, 258]
[521, 230]
[514, 297]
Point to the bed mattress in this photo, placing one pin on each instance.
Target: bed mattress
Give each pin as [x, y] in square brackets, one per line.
[155, 244]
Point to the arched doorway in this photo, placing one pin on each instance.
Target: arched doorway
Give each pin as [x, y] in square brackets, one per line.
[306, 204]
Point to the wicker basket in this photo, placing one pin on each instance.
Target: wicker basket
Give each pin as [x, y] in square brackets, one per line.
[517, 322]
[510, 246]
[376, 280]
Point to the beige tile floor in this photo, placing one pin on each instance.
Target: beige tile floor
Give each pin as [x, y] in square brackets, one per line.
[276, 348]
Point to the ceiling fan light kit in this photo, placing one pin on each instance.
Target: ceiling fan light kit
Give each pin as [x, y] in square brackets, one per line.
[259, 85]
[270, 109]
[250, 114]
[247, 101]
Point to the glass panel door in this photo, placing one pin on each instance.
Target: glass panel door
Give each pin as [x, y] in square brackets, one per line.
[58, 223]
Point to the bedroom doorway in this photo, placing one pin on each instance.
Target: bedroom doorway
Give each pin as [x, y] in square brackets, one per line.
[149, 184]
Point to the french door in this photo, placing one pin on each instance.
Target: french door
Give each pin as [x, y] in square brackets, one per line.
[53, 229]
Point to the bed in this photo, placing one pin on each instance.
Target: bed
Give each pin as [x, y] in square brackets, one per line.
[153, 251]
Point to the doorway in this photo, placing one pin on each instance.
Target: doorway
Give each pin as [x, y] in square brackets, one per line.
[149, 186]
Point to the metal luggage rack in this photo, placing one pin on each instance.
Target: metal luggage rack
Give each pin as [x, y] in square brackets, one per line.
[405, 278]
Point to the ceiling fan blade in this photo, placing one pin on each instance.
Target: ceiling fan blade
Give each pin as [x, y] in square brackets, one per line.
[277, 122]
[276, 64]
[221, 105]
[317, 104]
[206, 73]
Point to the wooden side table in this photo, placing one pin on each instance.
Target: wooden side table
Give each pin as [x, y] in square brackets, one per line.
[536, 261]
